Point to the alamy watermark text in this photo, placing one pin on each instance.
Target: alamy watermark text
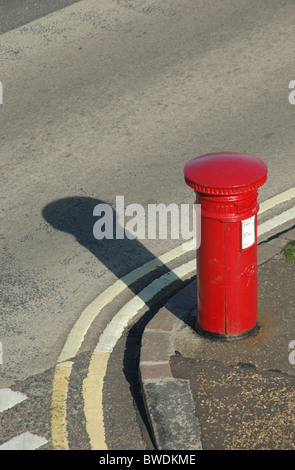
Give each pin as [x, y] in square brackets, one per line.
[151, 223]
[292, 94]
[292, 353]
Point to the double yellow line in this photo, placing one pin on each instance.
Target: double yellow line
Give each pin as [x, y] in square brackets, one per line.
[99, 360]
[93, 383]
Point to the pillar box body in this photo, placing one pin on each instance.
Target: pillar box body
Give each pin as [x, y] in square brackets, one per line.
[226, 191]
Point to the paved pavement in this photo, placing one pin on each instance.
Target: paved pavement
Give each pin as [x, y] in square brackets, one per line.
[204, 394]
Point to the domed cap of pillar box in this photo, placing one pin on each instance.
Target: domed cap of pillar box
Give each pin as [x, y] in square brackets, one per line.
[225, 173]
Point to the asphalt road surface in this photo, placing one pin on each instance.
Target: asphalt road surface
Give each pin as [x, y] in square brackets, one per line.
[112, 98]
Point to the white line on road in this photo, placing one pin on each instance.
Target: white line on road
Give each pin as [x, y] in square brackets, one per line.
[25, 441]
[9, 398]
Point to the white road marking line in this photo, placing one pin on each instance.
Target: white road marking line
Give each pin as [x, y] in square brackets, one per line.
[280, 219]
[275, 200]
[25, 441]
[9, 398]
[93, 384]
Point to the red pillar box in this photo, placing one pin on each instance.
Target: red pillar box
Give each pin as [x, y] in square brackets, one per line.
[226, 188]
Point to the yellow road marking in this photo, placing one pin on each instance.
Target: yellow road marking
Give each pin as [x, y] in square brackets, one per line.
[79, 330]
[58, 406]
[275, 200]
[92, 392]
[82, 325]
[280, 219]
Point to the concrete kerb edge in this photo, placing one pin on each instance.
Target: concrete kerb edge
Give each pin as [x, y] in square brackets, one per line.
[168, 401]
